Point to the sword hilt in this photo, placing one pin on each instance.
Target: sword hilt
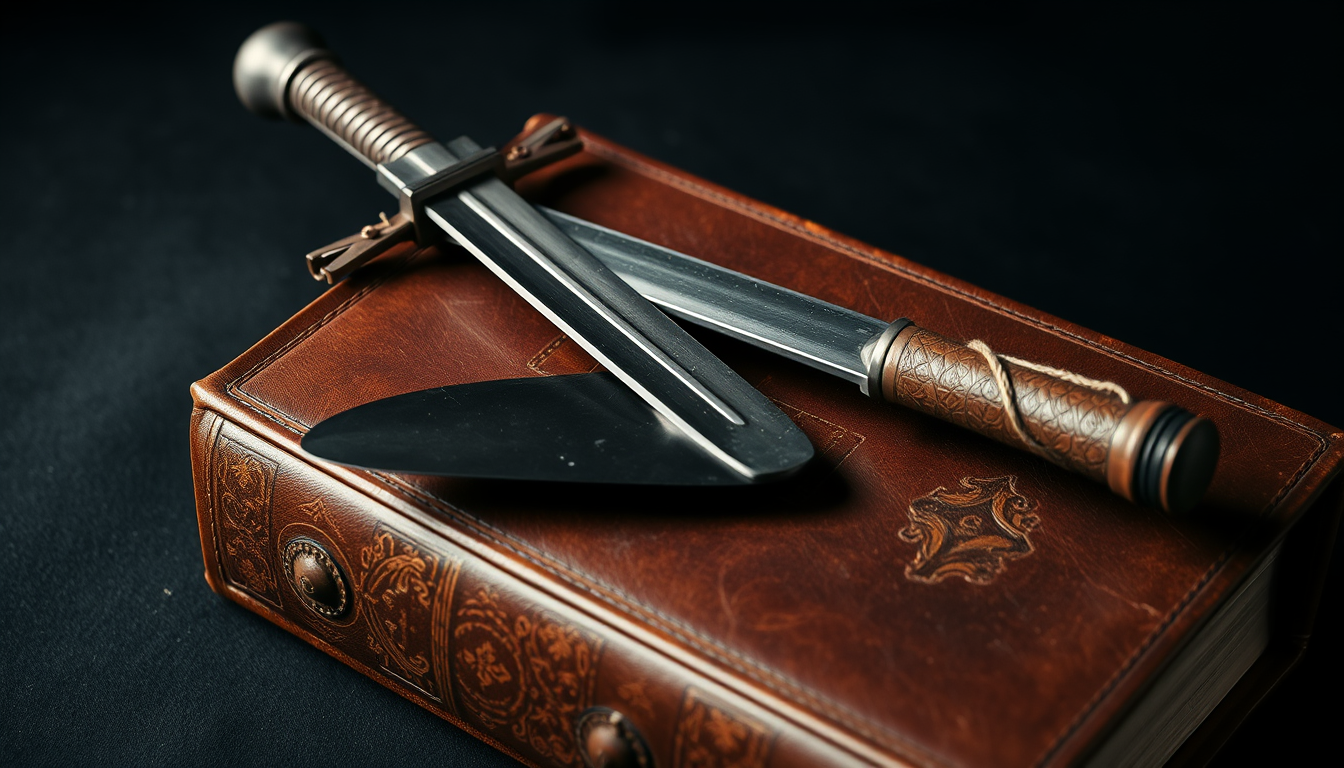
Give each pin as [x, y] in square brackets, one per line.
[1150, 452]
[284, 70]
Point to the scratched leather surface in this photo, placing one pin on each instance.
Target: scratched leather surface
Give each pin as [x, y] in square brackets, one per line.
[798, 592]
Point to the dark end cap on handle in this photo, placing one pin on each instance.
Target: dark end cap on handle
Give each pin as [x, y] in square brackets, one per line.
[1163, 456]
[267, 60]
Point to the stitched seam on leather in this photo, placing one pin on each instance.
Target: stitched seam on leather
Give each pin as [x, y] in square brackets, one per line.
[837, 711]
[1185, 601]
[396, 268]
[541, 357]
[769, 218]
[263, 410]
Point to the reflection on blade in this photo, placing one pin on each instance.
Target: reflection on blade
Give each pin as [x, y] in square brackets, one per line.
[586, 427]
[798, 326]
[690, 388]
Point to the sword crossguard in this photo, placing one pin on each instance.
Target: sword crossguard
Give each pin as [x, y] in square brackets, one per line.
[334, 261]
[542, 142]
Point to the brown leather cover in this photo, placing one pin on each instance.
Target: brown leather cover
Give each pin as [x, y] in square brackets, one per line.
[922, 596]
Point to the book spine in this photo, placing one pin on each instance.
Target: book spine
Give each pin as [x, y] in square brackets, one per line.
[453, 633]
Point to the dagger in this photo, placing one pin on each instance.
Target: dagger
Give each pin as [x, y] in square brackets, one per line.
[284, 70]
[1150, 452]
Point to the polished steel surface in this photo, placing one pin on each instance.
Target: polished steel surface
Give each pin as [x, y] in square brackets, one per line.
[586, 427]
[798, 326]
[689, 387]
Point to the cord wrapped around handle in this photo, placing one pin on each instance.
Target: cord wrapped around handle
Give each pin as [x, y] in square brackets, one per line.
[1150, 452]
[284, 70]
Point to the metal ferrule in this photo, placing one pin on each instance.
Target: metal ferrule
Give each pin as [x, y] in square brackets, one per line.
[875, 356]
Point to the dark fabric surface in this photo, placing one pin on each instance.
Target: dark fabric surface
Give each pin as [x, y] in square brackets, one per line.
[1170, 177]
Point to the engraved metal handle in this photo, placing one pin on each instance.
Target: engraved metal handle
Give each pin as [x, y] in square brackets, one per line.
[284, 70]
[1150, 452]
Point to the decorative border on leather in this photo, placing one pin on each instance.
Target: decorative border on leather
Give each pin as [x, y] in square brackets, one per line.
[242, 482]
[710, 734]
[528, 669]
[395, 265]
[406, 587]
[710, 647]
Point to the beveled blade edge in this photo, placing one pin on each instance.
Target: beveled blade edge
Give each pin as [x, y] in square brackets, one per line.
[639, 344]
[825, 336]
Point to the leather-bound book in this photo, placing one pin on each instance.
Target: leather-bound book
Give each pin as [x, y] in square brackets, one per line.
[919, 595]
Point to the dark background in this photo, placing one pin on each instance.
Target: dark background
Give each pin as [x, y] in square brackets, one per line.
[1167, 176]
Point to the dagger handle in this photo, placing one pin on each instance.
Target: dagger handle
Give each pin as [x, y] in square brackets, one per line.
[1150, 452]
[284, 70]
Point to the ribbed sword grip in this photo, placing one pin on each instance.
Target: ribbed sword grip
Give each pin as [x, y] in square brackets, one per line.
[285, 70]
[326, 95]
[1150, 452]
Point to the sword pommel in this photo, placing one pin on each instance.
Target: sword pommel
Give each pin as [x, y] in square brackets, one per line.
[284, 70]
[268, 60]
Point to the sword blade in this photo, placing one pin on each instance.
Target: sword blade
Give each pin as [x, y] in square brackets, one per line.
[689, 387]
[824, 336]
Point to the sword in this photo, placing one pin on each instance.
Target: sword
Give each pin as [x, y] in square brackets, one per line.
[1150, 452]
[284, 70]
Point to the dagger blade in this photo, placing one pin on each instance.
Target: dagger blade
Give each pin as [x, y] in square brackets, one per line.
[804, 328]
[584, 428]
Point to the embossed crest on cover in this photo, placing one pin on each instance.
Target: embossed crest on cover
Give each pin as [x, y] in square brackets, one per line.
[971, 533]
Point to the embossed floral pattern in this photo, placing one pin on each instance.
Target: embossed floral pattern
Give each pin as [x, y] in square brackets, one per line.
[244, 481]
[398, 590]
[531, 672]
[711, 735]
